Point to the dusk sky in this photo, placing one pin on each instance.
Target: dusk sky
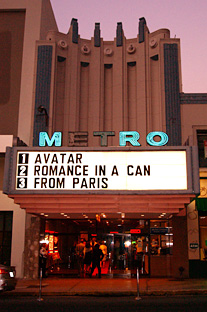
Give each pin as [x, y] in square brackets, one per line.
[186, 19]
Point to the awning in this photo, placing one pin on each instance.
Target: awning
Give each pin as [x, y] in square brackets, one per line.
[99, 203]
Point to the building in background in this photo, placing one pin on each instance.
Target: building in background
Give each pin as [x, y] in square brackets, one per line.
[21, 24]
[88, 92]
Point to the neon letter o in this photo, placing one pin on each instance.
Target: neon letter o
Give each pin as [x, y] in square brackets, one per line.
[163, 138]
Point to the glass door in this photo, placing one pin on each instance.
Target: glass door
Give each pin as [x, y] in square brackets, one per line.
[122, 252]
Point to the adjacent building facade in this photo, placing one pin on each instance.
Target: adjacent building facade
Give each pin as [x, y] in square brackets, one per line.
[22, 23]
[103, 100]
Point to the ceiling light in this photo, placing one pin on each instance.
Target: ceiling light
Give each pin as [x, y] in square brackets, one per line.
[142, 215]
[127, 244]
[42, 213]
[62, 213]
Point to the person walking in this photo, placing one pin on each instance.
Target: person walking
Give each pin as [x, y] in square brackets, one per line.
[79, 254]
[87, 257]
[43, 260]
[97, 257]
[103, 247]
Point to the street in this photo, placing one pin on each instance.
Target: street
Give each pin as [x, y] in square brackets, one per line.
[102, 304]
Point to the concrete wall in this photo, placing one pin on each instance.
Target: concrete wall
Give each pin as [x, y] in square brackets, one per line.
[108, 87]
[39, 19]
[22, 22]
[193, 231]
[11, 41]
[180, 247]
[193, 117]
[31, 255]
[18, 232]
[18, 227]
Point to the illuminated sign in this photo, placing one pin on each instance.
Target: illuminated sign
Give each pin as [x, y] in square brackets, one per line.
[194, 245]
[124, 136]
[101, 170]
[51, 243]
[45, 140]
[135, 231]
[159, 230]
[133, 138]
[205, 148]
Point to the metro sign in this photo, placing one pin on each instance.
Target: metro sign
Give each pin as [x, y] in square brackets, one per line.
[124, 136]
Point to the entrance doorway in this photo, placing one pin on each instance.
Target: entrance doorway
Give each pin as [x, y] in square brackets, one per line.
[124, 252]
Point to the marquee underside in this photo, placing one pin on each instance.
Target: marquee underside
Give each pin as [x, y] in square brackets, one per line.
[93, 203]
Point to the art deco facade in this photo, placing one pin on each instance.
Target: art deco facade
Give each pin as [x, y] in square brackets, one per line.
[90, 91]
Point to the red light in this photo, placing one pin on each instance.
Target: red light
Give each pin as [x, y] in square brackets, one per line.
[114, 232]
[93, 234]
[135, 231]
[2, 271]
[50, 232]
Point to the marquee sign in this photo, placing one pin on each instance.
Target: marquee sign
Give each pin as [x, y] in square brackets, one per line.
[125, 137]
[57, 170]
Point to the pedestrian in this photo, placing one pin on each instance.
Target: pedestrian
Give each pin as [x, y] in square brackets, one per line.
[93, 242]
[97, 257]
[103, 247]
[43, 260]
[87, 256]
[79, 254]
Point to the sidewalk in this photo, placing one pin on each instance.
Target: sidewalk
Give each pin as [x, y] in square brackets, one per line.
[109, 287]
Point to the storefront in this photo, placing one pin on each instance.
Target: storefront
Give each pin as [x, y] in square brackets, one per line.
[129, 243]
[128, 199]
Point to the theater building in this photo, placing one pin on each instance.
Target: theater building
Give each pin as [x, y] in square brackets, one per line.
[111, 149]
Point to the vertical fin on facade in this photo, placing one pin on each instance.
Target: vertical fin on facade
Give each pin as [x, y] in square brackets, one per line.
[119, 35]
[142, 23]
[42, 93]
[74, 24]
[7, 170]
[172, 98]
[97, 34]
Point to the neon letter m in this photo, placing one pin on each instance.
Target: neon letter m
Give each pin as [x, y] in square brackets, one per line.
[44, 138]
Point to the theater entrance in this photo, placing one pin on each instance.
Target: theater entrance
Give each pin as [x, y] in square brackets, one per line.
[127, 252]
[123, 252]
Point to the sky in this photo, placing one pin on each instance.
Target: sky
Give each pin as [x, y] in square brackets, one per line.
[186, 19]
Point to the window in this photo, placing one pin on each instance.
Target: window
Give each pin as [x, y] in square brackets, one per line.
[6, 218]
[202, 150]
[161, 237]
[203, 237]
